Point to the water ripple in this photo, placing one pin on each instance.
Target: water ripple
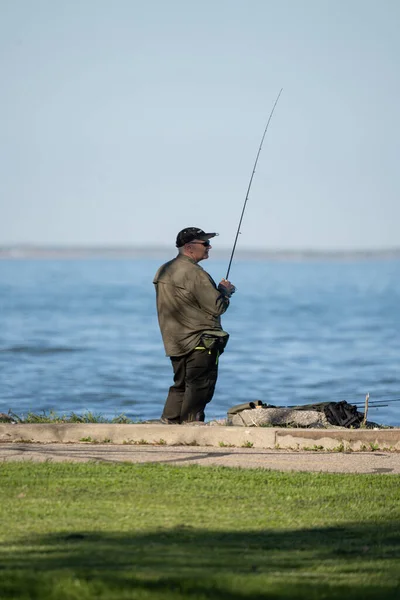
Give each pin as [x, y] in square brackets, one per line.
[39, 350]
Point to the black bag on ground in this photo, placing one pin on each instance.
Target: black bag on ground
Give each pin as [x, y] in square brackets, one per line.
[341, 414]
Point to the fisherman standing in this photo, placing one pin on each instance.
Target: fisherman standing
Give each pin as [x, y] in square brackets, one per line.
[189, 307]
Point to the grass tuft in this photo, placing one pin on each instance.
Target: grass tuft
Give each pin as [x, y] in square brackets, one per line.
[52, 417]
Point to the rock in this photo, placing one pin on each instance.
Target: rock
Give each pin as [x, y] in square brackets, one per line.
[279, 417]
[5, 418]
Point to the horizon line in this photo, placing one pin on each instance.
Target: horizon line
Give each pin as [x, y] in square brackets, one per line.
[124, 246]
[43, 250]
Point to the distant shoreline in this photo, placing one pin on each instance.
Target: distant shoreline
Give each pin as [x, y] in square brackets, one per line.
[117, 252]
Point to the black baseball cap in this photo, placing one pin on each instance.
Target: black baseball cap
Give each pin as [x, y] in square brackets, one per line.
[192, 233]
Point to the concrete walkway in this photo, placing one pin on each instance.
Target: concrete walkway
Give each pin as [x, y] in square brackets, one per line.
[335, 450]
[282, 460]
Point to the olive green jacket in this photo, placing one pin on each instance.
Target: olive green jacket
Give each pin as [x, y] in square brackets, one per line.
[188, 305]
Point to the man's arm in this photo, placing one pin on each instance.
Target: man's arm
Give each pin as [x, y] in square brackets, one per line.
[211, 299]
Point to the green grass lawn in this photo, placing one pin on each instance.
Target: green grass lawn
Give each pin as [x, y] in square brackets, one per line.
[107, 531]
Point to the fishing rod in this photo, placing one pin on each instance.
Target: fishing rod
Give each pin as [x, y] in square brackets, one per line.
[369, 405]
[380, 402]
[376, 403]
[251, 181]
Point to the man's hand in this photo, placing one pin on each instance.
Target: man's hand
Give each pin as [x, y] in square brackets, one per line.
[226, 287]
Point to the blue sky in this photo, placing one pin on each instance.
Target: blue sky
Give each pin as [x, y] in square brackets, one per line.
[123, 122]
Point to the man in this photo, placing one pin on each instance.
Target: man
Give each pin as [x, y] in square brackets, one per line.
[189, 307]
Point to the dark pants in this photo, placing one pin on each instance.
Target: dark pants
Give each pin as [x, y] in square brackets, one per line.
[195, 376]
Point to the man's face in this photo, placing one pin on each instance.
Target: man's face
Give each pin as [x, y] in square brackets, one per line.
[199, 249]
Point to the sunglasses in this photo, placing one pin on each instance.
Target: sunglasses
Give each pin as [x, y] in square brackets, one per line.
[206, 244]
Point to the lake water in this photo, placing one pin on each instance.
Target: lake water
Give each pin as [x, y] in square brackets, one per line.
[82, 335]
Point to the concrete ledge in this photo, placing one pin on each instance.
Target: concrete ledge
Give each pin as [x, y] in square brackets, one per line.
[338, 439]
[195, 435]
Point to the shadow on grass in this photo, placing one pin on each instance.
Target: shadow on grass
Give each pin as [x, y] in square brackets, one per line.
[353, 561]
